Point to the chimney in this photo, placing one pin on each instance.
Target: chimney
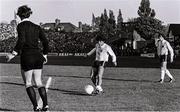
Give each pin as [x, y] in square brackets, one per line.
[57, 21]
[80, 26]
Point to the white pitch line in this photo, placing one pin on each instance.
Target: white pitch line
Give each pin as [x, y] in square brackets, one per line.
[40, 103]
[10, 76]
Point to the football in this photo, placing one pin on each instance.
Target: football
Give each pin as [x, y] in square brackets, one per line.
[89, 89]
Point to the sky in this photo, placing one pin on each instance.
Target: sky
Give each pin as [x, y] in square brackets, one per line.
[74, 11]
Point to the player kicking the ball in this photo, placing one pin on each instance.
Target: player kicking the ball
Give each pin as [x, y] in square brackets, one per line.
[163, 47]
[102, 54]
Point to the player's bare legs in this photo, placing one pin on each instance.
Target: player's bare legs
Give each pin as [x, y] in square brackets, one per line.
[37, 77]
[29, 88]
[164, 71]
[170, 76]
[27, 77]
[42, 90]
[100, 74]
[93, 75]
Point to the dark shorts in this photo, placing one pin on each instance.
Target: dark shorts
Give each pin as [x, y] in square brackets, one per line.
[97, 64]
[163, 58]
[31, 60]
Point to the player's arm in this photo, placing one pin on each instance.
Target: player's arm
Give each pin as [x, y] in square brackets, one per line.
[10, 56]
[170, 50]
[91, 52]
[21, 38]
[111, 52]
[19, 44]
[44, 41]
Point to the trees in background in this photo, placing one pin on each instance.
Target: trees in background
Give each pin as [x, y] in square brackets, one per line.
[119, 20]
[146, 24]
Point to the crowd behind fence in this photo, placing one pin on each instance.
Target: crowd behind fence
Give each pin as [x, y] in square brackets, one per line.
[69, 43]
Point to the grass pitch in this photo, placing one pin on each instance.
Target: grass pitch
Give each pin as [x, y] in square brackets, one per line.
[132, 89]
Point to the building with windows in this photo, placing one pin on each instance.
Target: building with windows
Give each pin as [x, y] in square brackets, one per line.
[58, 26]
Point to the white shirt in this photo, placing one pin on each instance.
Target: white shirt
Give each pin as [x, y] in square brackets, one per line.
[163, 47]
[103, 52]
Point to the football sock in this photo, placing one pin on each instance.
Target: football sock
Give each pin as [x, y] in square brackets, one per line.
[169, 74]
[100, 74]
[94, 77]
[32, 95]
[43, 94]
[99, 80]
[94, 80]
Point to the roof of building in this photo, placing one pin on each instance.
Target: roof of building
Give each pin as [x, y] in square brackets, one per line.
[68, 27]
[48, 24]
[60, 24]
[67, 24]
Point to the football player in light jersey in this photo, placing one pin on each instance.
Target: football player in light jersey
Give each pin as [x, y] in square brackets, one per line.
[102, 51]
[163, 48]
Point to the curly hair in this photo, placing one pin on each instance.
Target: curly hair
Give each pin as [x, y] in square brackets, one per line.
[24, 11]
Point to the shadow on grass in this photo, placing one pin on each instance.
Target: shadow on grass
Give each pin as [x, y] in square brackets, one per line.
[130, 80]
[18, 84]
[3, 109]
[111, 79]
[69, 92]
[12, 83]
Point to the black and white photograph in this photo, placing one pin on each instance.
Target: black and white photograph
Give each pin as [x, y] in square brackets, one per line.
[89, 55]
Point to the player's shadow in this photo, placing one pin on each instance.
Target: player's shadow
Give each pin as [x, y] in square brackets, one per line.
[82, 77]
[12, 83]
[130, 80]
[70, 92]
[111, 79]
[17, 84]
[4, 109]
